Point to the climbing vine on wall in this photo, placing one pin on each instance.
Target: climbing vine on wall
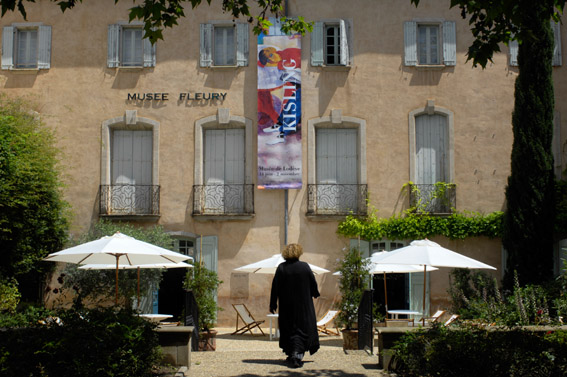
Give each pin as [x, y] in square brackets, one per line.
[459, 225]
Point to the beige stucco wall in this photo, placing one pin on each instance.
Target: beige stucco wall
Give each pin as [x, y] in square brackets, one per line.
[79, 93]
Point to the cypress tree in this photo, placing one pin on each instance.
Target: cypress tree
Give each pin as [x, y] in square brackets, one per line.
[528, 221]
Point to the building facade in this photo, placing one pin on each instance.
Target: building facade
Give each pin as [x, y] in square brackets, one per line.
[169, 133]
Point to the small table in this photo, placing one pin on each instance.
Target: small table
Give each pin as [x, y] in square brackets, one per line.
[277, 332]
[156, 317]
[397, 312]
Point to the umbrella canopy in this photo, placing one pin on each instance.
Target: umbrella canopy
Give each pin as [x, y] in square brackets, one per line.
[429, 253]
[426, 254]
[118, 249]
[269, 266]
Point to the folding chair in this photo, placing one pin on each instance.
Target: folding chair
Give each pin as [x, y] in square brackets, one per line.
[452, 319]
[434, 318]
[244, 314]
[328, 318]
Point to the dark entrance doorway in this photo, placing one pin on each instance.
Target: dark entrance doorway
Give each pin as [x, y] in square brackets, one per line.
[171, 295]
[398, 288]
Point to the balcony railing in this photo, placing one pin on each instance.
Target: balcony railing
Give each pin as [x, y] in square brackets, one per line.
[129, 200]
[229, 200]
[437, 198]
[337, 200]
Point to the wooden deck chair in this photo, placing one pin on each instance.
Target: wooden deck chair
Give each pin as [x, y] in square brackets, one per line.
[452, 319]
[244, 314]
[434, 318]
[328, 318]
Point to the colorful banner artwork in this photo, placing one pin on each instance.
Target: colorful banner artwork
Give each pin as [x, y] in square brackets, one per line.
[279, 109]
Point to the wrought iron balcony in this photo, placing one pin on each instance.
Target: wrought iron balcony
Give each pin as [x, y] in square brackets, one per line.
[129, 200]
[437, 198]
[228, 200]
[337, 200]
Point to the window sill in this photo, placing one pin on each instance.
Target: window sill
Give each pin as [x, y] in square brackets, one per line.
[136, 68]
[334, 67]
[436, 67]
[223, 67]
[149, 218]
[25, 71]
[325, 217]
[206, 217]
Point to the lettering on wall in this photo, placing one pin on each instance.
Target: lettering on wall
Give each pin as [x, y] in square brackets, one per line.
[181, 97]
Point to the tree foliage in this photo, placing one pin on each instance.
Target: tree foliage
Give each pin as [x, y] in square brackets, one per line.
[496, 22]
[33, 214]
[158, 15]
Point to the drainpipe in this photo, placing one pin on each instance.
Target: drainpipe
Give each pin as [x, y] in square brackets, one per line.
[286, 214]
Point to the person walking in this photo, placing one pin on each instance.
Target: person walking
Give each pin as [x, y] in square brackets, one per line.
[294, 286]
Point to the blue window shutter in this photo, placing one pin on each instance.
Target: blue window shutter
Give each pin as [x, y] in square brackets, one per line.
[44, 53]
[8, 47]
[513, 45]
[449, 43]
[149, 53]
[276, 27]
[557, 61]
[242, 49]
[317, 59]
[206, 45]
[113, 46]
[410, 43]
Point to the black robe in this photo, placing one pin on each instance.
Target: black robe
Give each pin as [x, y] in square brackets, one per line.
[294, 286]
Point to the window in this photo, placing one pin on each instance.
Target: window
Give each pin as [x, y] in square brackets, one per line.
[557, 59]
[224, 44]
[337, 166]
[26, 46]
[430, 43]
[330, 43]
[431, 160]
[223, 166]
[556, 146]
[129, 175]
[128, 48]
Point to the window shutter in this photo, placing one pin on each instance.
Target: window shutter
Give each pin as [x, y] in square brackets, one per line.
[206, 45]
[556, 44]
[44, 55]
[317, 45]
[513, 45]
[449, 43]
[345, 53]
[410, 43]
[8, 47]
[149, 53]
[276, 27]
[113, 46]
[242, 49]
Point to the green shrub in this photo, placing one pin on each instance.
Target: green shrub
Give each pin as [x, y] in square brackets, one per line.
[9, 295]
[475, 351]
[101, 342]
[353, 281]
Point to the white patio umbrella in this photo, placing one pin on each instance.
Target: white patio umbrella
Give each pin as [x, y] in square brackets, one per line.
[378, 268]
[269, 266]
[427, 253]
[138, 267]
[118, 249]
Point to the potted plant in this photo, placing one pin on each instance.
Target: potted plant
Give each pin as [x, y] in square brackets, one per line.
[204, 284]
[354, 279]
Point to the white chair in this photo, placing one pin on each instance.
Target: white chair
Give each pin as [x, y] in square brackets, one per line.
[326, 320]
[451, 319]
[434, 318]
[244, 314]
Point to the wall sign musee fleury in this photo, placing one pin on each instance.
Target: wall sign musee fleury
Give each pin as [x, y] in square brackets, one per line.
[185, 96]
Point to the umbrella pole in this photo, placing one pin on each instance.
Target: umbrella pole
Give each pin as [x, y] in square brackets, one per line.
[138, 302]
[385, 295]
[424, 281]
[116, 299]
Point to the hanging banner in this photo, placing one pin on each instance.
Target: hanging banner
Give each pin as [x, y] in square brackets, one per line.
[279, 109]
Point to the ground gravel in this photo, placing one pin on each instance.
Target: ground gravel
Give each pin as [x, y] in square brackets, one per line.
[255, 355]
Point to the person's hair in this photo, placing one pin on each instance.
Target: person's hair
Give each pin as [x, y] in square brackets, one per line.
[291, 251]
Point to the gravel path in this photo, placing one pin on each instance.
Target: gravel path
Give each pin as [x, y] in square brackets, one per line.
[255, 355]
